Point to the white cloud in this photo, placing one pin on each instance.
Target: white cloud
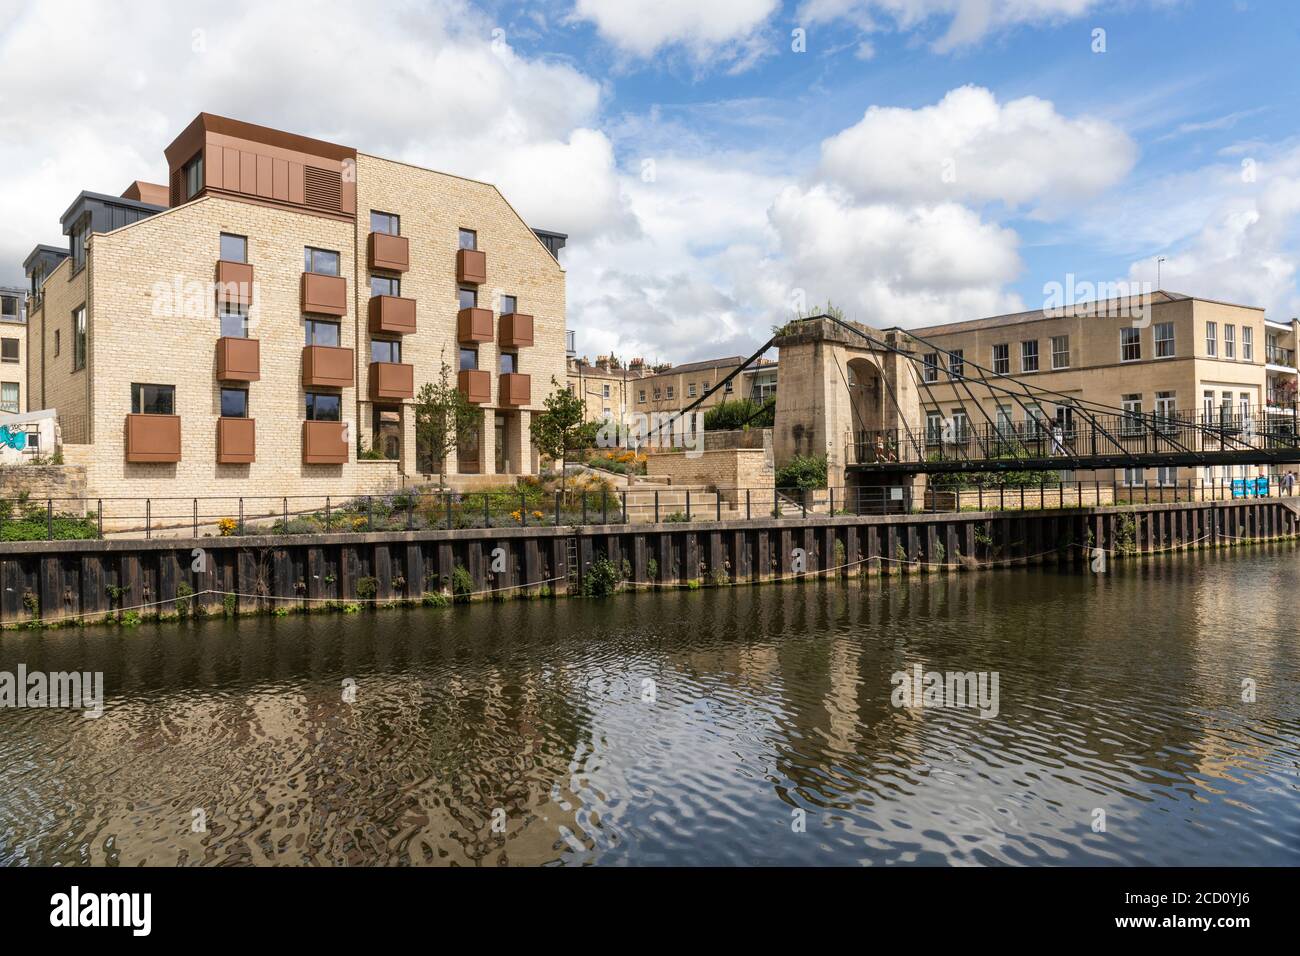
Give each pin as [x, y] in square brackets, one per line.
[424, 83]
[970, 147]
[968, 21]
[718, 30]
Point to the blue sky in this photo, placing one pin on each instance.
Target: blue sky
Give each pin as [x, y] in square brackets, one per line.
[712, 178]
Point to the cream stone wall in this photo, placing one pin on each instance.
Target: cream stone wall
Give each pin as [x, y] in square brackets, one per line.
[52, 381]
[432, 207]
[16, 372]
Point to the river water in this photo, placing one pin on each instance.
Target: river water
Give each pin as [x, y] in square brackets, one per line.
[740, 726]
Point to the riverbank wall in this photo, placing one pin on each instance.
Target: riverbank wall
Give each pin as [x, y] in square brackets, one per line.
[70, 582]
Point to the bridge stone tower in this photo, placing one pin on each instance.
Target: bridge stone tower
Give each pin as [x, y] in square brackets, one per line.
[833, 385]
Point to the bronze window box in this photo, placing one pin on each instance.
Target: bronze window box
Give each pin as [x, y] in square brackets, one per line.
[515, 388]
[390, 253]
[236, 441]
[471, 266]
[474, 325]
[476, 384]
[391, 381]
[324, 295]
[152, 438]
[238, 360]
[392, 315]
[516, 330]
[326, 366]
[323, 443]
[234, 282]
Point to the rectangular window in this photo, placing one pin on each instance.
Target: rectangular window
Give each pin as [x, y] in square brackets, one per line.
[1134, 476]
[234, 321]
[386, 350]
[931, 373]
[9, 350]
[1002, 359]
[1029, 356]
[9, 397]
[671, 389]
[153, 399]
[1211, 338]
[960, 427]
[1132, 422]
[1166, 475]
[58, 343]
[192, 172]
[1247, 344]
[1004, 421]
[323, 407]
[509, 305]
[604, 391]
[233, 248]
[1060, 351]
[1165, 411]
[9, 306]
[467, 297]
[322, 262]
[468, 360]
[657, 394]
[1229, 341]
[933, 428]
[79, 339]
[509, 363]
[386, 223]
[77, 240]
[322, 333]
[234, 403]
[1164, 335]
[641, 395]
[468, 239]
[382, 285]
[690, 390]
[956, 363]
[1130, 344]
[729, 387]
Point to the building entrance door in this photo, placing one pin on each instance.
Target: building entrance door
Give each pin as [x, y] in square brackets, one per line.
[388, 432]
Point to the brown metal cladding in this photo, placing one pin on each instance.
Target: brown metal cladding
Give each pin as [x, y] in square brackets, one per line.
[326, 366]
[391, 253]
[236, 441]
[324, 295]
[515, 388]
[153, 438]
[471, 266]
[516, 330]
[476, 384]
[238, 360]
[392, 315]
[391, 381]
[234, 282]
[474, 325]
[323, 443]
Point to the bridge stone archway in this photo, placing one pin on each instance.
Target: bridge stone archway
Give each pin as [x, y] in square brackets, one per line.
[833, 386]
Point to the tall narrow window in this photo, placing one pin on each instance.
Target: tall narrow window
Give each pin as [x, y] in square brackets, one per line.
[956, 363]
[933, 428]
[193, 176]
[1247, 344]
[9, 397]
[510, 363]
[1132, 414]
[1002, 359]
[1060, 351]
[1164, 336]
[1029, 355]
[1130, 344]
[509, 305]
[931, 372]
[1211, 338]
[79, 339]
[9, 350]
[1229, 341]
[467, 297]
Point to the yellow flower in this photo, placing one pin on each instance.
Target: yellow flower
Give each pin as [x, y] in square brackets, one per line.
[227, 527]
[538, 514]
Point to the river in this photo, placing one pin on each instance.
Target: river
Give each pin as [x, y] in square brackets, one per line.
[749, 725]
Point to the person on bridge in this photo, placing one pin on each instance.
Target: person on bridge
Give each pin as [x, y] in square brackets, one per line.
[1058, 441]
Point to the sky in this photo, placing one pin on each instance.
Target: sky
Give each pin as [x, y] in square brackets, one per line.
[721, 165]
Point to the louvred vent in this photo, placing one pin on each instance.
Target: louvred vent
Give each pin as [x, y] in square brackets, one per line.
[322, 188]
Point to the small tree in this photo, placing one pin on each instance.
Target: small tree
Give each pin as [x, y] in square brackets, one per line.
[444, 420]
[555, 429]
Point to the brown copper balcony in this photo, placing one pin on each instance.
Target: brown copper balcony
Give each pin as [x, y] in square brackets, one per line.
[515, 388]
[477, 385]
[236, 441]
[516, 330]
[390, 253]
[471, 266]
[323, 443]
[238, 360]
[326, 365]
[153, 438]
[234, 282]
[324, 295]
[391, 381]
[393, 315]
[474, 325]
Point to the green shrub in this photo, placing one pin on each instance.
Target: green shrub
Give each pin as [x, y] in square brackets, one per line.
[367, 588]
[462, 585]
[677, 517]
[740, 413]
[802, 472]
[435, 599]
[602, 578]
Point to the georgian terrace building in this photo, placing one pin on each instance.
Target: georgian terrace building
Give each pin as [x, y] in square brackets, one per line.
[1167, 355]
[261, 324]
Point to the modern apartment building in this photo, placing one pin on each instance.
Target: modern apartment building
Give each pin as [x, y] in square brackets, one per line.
[13, 350]
[261, 324]
[1166, 355]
